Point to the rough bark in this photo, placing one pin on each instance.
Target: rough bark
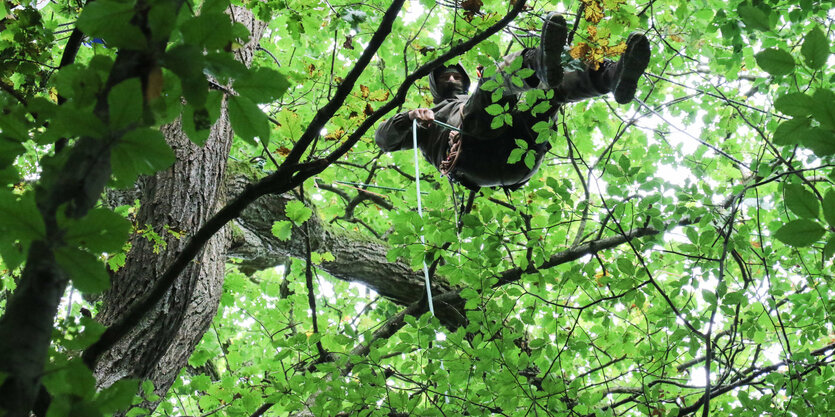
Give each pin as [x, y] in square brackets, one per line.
[177, 200]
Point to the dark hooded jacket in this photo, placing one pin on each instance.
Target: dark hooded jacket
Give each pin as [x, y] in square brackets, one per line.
[484, 152]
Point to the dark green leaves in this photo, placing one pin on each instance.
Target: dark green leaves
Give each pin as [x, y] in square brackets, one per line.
[775, 61]
[829, 207]
[815, 48]
[117, 396]
[800, 201]
[210, 30]
[140, 151]
[110, 20]
[187, 62]
[198, 121]
[262, 85]
[753, 17]
[821, 141]
[790, 132]
[125, 103]
[824, 109]
[101, 230]
[821, 107]
[248, 120]
[795, 104]
[20, 223]
[799, 233]
[84, 269]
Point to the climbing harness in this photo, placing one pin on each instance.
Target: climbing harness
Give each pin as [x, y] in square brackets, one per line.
[420, 213]
[448, 164]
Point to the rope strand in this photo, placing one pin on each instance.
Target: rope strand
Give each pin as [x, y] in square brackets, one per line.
[420, 213]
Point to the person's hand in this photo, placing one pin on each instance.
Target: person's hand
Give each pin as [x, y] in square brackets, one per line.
[424, 116]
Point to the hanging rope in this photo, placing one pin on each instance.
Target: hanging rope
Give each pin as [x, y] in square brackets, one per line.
[420, 213]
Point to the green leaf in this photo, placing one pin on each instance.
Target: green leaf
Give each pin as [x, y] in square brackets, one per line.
[494, 109]
[824, 109]
[815, 49]
[799, 233]
[262, 85]
[829, 249]
[297, 211]
[198, 122]
[9, 150]
[820, 141]
[118, 396]
[73, 378]
[800, 201]
[91, 333]
[211, 30]
[753, 17]
[111, 21]
[248, 120]
[530, 159]
[790, 132]
[282, 230]
[101, 230]
[775, 61]
[491, 49]
[795, 104]
[214, 6]
[19, 216]
[829, 207]
[709, 296]
[187, 62]
[140, 151]
[84, 269]
[20, 224]
[515, 155]
[161, 19]
[125, 103]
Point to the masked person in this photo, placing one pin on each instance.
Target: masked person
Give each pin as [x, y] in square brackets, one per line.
[477, 157]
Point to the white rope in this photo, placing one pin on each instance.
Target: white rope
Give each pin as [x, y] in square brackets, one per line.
[420, 213]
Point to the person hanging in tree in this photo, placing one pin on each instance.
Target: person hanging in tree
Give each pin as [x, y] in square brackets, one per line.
[478, 156]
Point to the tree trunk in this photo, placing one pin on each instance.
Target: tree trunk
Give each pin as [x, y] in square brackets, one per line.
[175, 201]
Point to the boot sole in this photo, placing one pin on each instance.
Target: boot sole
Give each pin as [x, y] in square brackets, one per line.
[634, 62]
[552, 42]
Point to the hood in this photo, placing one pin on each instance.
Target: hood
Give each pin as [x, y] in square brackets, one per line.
[433, 86]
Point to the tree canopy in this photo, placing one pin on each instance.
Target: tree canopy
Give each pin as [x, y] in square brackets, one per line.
[195, 219]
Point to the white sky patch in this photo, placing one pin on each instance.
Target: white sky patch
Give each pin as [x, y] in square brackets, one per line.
[675, 175]
[414, 10]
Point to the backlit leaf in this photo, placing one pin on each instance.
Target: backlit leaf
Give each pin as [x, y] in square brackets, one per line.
[84, 269]
[801, 201]
[775, 61]
[815, 48]
[248, 121]
[140, 151]
[799, 233]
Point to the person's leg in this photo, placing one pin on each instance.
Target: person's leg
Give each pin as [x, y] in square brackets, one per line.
[625, 76]
[511, 77]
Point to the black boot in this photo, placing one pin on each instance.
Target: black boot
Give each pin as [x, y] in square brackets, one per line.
[551, 44]
[630, 68]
